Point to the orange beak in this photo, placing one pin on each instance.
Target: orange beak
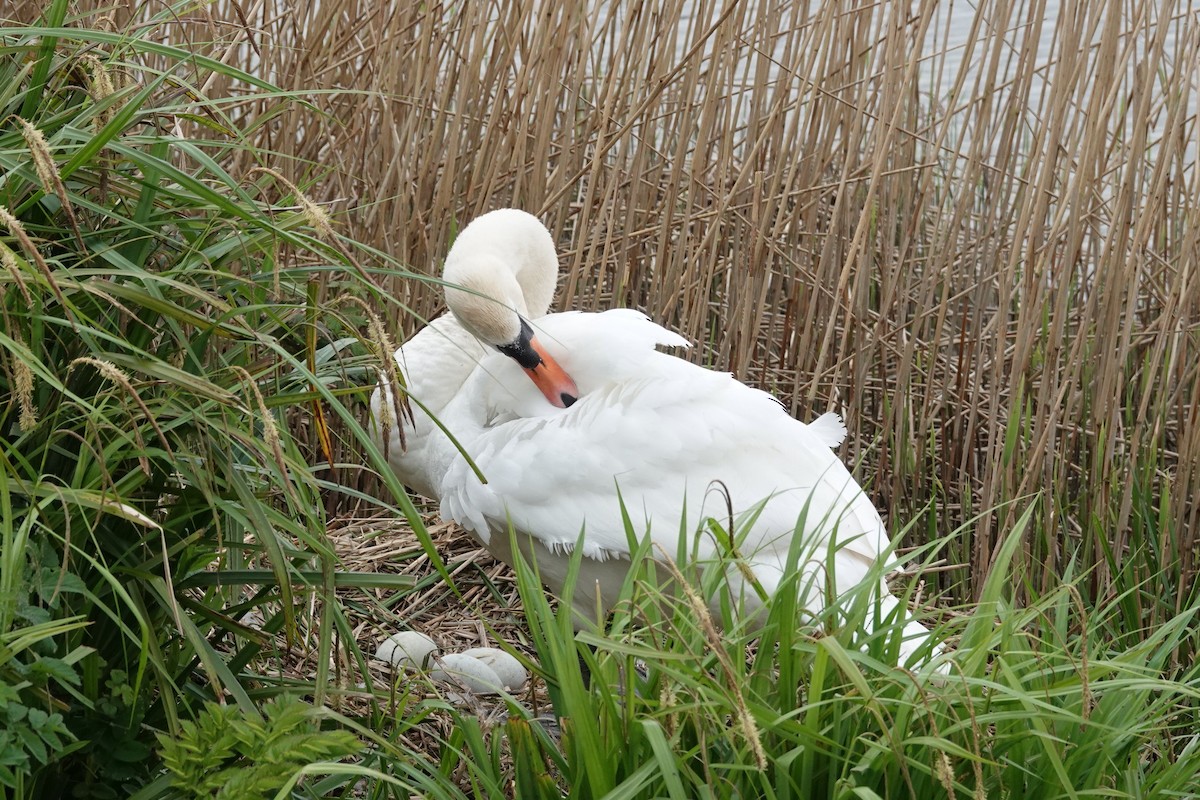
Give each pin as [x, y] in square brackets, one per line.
[551, 379]
[544, 371]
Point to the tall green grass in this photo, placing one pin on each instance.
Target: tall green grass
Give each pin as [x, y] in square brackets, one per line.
[160, 521]
[1039, 702]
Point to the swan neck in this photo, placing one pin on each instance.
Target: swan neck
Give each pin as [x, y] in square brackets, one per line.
[504, 264]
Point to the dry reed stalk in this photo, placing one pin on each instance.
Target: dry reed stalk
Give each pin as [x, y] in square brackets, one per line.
[990, 270]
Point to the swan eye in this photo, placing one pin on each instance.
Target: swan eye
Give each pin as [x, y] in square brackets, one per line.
[521, 349]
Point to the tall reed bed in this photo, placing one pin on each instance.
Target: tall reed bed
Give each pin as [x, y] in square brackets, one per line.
[990, 270]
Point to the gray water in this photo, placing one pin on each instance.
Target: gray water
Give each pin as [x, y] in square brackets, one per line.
[943, 55]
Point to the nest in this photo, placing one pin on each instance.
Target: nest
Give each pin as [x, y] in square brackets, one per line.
[486, 613]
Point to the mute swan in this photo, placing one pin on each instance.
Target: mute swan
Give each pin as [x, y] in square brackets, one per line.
[563, 411]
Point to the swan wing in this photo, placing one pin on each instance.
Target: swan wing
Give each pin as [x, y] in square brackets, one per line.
[679, 438]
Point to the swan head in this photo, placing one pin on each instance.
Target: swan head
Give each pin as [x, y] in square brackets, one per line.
[501, 271]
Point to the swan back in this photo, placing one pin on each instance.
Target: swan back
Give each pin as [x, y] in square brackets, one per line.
[658, 430]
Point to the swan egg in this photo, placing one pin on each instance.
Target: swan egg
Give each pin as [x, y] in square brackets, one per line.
[404, 648]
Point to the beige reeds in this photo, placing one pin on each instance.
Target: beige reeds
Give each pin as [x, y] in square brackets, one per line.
[989, 270]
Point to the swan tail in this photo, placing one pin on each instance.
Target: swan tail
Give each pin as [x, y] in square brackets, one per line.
[829, 429]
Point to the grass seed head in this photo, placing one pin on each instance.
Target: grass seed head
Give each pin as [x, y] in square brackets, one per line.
[47, 172]
[270, 429]
[23, 381]
[316, 216]
[9, 259]
[393, 407]
[100, 83]
[43, 159]
[944, 771]
[108, 370]
[100, 86]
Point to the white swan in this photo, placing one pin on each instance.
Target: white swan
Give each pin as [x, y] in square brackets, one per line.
[606, 412]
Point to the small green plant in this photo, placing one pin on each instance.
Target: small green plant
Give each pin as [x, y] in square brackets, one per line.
[29, 737]
[35, 667]
[229, 754]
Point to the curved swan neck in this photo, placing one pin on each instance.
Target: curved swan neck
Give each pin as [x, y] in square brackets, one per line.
[500, 272]
[485, 297]
[508, 256]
